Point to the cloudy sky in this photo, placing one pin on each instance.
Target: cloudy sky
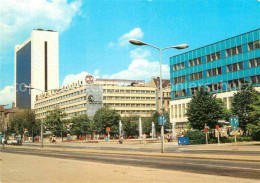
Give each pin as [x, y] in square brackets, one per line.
[93, 35]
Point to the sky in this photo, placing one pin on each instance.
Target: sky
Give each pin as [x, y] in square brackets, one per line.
[94, 34]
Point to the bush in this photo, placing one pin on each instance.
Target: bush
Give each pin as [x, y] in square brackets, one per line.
[196, 137]
[232, 139]
[213, 140]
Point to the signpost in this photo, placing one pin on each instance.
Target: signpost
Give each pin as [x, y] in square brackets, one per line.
[234, 123]
[206, 131]
[108, 130]
[217, 128]
[162, 122]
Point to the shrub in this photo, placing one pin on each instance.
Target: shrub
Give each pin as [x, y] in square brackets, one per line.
[213, 140]
[196, 137]
[232, 139]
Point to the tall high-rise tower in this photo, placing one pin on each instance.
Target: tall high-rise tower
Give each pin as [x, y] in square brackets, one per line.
[36, 63]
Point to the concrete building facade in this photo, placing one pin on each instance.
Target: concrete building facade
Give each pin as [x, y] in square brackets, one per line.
[127, 97]
[6, 116]
[166, 85]
[36, 65]
[222, 67]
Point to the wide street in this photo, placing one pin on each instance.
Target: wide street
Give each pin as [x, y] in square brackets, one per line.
[206, 161]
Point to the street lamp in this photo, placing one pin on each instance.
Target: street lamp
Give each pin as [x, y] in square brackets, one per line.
[179, 47]
[32, 88]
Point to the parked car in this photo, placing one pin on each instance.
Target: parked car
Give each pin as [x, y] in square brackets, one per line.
[12, 142]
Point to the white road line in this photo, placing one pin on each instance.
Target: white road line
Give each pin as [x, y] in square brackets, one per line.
[222, 166]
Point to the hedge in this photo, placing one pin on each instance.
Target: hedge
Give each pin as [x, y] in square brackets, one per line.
[198, 137]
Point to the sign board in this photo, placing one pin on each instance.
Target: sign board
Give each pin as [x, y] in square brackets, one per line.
[234, 121]
[206, 130]
[162, 120]
[94, 98]
[107, 129]
[217, 127]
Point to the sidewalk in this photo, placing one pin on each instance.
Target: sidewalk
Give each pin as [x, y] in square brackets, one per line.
[241, 146]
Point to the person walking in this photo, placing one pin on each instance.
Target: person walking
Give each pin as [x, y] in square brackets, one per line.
[3, 142]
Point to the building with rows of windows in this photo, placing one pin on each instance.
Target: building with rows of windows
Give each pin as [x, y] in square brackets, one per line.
[221, 67]
[127, 97]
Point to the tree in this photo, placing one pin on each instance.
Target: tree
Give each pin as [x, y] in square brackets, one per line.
[254, 128]
[204, 108]
[130, 125]
[80, 125]
[25, 120]
[242, 105]
[55, 123]
[105, 117]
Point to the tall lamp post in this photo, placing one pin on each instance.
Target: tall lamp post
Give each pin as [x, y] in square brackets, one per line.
[179, 47]
[32, 88]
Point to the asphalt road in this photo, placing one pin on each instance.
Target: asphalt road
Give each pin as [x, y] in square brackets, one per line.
[242, 169]
[171, 149]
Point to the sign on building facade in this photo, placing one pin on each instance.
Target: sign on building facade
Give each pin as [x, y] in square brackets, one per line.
[94, 98]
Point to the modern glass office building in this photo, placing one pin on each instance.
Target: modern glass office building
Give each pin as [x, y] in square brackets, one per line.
[222, 67]
[36, 64]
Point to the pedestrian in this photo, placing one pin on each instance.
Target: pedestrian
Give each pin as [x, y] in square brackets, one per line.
[121, 140]
[53, 139]
[3, 142]
[144, 139]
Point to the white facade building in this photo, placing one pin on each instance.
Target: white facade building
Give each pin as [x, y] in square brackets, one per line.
[37, 65]
[178, 108]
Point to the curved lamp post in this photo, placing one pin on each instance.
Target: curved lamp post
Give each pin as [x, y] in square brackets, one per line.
[179, 47]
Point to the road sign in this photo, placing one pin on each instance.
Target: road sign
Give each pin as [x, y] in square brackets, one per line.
[206, 130]
[217, 127]
[234, 121]
[107, 129]
[162, 120]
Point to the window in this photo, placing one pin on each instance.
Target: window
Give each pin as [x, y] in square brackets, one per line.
[214, 87]
[254, 62]
[195, 61]
[180, 93]
[180, 79]
[236, 83]
[179, 110]
[195, 76]
[233, 51]
[255, 79]
[235, 67]
[193, 90]
[213, 56]
[175, 111]
[254, 45]
[225, 101]
[178, 66]
[183, 110]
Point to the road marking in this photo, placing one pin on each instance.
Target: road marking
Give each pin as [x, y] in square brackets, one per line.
[222, 166]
